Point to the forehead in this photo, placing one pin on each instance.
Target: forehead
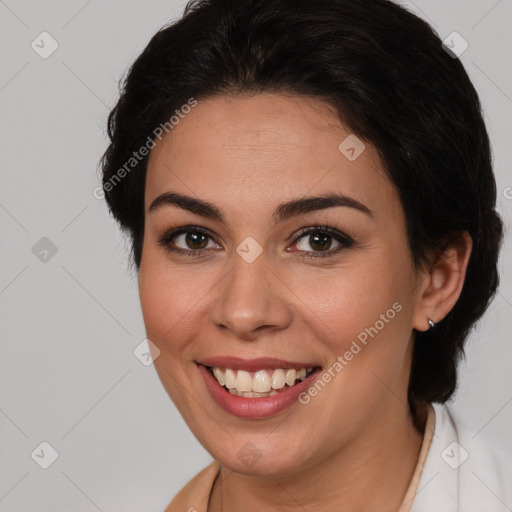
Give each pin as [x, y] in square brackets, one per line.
[242, 150]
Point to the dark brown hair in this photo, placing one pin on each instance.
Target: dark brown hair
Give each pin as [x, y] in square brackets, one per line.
[392, 83]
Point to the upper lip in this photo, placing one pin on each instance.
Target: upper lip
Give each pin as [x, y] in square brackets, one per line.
[253, 365]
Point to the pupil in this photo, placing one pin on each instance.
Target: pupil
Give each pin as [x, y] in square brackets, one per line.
[320, 236]
[193, 237]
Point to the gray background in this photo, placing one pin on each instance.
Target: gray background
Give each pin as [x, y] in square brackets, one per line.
[70, 324]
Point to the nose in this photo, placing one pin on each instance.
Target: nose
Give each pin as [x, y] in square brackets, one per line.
[251, 300]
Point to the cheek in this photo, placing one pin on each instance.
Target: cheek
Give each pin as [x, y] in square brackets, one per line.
[169, 297]
[362, 312]
[363, 318]
[167, 305]
[346, 301]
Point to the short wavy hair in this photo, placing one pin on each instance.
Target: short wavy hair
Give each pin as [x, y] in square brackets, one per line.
[391, 81]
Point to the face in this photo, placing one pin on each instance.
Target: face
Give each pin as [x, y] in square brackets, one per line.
[306, 309]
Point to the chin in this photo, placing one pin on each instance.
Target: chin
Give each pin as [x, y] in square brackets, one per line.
[253, 458]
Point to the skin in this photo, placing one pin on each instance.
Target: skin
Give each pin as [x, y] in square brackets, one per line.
[354, 443]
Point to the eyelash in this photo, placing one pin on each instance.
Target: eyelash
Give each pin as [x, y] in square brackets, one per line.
[344, 240]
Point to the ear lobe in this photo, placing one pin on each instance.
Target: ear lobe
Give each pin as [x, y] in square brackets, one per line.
[442, 282]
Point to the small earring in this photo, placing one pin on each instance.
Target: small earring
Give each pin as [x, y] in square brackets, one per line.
[431, 324]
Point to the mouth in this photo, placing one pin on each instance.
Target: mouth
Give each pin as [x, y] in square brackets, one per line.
[261, 383]
[256, 388]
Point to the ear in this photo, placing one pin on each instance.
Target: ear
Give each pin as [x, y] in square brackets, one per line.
[441, 282]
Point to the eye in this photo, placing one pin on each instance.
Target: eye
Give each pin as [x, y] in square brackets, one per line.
[195, 241]
[321, 239]
[189, 240]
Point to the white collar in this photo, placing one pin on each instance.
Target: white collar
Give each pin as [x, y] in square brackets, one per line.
[462, 472]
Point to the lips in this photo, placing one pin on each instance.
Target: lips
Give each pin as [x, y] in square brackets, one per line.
[253, 404]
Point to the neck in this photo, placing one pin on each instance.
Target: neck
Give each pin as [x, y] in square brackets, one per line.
[372, 473]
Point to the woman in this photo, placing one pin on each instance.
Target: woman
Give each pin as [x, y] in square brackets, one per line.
[309, 194]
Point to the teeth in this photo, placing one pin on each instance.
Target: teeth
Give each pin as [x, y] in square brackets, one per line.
[219, 376]
[278, 380]
[243, 381]
[290, 377]
[261, 383]
[301, 374]
[229, 378]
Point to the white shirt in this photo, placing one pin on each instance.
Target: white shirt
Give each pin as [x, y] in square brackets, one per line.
[462, 471]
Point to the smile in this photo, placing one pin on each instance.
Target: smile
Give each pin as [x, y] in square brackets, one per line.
[256, 388]
[261, 383]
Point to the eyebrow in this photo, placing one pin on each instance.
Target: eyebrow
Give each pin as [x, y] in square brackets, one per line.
[284, 211]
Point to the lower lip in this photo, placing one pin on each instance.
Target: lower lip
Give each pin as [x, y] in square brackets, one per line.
[254, 407]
